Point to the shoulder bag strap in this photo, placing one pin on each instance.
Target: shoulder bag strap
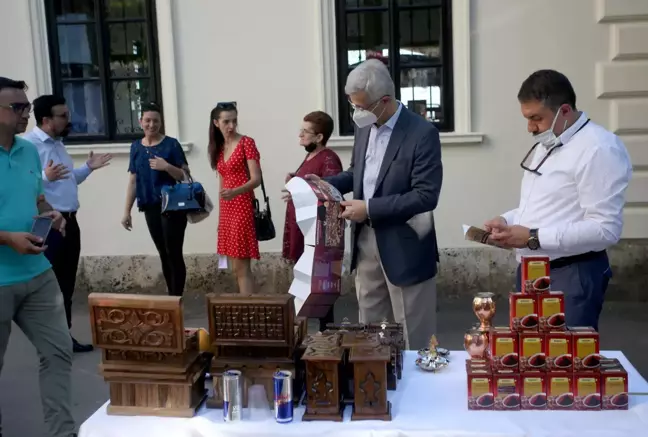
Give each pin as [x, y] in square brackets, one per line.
[247, 170]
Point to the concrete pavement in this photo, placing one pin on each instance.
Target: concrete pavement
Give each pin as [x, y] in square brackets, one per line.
[623, 327]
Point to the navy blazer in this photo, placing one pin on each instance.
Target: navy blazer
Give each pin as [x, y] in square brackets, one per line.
[407, 190]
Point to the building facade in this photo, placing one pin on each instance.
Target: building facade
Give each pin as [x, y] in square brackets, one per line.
[460, 65]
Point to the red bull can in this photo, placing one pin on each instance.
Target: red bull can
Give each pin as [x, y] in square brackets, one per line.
[232, 396]
[283, 396]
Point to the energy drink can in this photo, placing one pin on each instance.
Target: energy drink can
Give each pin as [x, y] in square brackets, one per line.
[283, 396]
[232, 396]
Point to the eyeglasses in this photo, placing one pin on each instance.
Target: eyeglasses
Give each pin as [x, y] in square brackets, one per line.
[226, 105]
[370, 107]
[19, 108]
[547, 155]
[305, 131]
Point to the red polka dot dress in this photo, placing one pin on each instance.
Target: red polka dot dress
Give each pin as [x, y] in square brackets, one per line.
[236, 233]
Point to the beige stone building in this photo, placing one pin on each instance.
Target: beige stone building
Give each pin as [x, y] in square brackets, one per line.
[460, 64]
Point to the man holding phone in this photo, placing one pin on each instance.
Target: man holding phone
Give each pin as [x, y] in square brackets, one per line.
[61, 186]
[29, 292]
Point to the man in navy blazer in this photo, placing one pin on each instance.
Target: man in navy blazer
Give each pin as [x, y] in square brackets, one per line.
[396, 177]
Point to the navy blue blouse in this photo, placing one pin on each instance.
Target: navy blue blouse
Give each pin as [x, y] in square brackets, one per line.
[150, 182]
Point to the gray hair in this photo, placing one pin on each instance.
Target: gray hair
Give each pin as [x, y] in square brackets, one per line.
[372, 77]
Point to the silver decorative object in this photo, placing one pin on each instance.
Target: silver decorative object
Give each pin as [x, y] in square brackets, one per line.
[441, 351]
[432, 364]
[433, 358]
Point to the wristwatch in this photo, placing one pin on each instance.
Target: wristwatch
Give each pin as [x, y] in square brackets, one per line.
[533, 243]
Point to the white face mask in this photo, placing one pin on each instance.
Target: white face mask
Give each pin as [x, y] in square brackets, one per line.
[363, 118]
[548, 138]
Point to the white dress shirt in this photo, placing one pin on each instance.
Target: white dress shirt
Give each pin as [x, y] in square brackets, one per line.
[63, 194]
[379, 137]
[577, 202]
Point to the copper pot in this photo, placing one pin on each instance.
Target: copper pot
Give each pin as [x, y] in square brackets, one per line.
[484, 308]
[476, 343]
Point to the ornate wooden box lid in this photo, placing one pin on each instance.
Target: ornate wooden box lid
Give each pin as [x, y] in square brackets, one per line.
[379, 352]
[323, 347]
[358, 338]
[137, 322]
[251, 320]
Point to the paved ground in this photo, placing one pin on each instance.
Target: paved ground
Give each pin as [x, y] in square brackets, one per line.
[623, 326]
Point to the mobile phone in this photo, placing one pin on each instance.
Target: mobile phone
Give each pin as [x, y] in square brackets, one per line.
[41, 228]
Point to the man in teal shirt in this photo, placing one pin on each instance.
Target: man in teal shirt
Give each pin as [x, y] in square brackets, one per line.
[29, 292]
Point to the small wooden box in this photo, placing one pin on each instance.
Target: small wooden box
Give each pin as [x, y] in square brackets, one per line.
[264, 321]
[370, 381]
[256, 335]
[387, 333]
[324, 398]
[152, 365]
[392, 334]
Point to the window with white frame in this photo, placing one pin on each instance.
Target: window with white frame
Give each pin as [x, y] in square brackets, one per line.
[104, 61]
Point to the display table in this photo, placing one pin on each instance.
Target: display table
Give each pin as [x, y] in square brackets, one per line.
[424, 405]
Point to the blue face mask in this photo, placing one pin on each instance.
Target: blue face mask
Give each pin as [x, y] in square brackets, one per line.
[548, 138]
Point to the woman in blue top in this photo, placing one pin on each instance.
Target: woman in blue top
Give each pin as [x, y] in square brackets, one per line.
[155, 161]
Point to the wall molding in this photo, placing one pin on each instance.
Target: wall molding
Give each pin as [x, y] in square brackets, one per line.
[447, 139]
[620, 11]
[165, 41]
[463, 133]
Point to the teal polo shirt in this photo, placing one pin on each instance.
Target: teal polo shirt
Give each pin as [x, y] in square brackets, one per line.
[20, 186]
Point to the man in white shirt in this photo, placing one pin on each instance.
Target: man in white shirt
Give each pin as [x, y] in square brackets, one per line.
[572, 196]
[60, 181]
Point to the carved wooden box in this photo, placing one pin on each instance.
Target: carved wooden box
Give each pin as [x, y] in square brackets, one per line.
[257, 335]
[323, 359]
[349, 340]
[391, 334]
[152, 364]
[370, 382]
[252, 325]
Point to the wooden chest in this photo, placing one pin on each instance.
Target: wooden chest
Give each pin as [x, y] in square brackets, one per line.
[370, 382]
[151, 363]
[390, 334]
[256, 335]
[323, 358]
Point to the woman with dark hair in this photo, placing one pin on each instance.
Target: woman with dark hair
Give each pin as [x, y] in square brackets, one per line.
[155, 161]
[236, 159]
[317, 128]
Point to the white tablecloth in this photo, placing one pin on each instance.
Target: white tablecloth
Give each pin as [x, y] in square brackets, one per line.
[424, 405]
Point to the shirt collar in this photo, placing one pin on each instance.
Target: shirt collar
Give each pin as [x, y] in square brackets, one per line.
[569, 133]
[15, 147]
[394, 118]
[42, 135]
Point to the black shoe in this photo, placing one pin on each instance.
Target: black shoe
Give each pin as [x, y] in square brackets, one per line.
[78, 347]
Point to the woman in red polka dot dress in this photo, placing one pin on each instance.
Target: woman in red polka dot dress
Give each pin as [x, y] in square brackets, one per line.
[235, 156]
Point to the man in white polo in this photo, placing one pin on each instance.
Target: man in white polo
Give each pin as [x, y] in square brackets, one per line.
[572, 196]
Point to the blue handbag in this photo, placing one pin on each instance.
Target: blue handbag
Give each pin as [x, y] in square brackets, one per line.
[187, 196]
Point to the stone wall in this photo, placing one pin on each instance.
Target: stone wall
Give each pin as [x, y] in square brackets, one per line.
[462, 273]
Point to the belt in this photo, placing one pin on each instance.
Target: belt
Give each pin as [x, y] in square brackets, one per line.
[68, 214]
[569, 260]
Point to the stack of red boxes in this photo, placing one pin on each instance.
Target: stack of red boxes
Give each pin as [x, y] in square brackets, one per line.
[537, 363]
